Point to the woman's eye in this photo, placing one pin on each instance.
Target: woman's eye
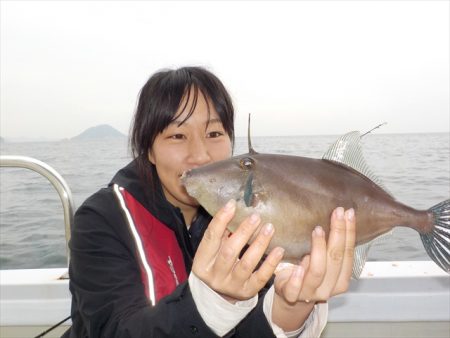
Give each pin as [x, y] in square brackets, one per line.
[177, 136]
[215, 134]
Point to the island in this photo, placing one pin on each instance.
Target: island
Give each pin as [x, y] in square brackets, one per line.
[103, 131]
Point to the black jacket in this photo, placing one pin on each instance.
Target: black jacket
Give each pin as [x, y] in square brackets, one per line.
[108, 297]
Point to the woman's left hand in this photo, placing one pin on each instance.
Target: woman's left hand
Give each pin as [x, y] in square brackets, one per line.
[324, 273]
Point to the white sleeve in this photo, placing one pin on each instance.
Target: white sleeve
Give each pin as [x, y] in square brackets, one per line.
[220, 315]
[312, 327]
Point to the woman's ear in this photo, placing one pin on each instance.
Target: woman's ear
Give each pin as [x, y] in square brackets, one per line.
[151, 158]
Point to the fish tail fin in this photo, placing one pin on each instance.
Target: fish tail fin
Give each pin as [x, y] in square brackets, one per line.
[437, 241]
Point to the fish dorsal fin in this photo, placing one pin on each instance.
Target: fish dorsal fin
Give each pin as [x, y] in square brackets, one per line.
[362, 251]
[347, 150]
[249, 139]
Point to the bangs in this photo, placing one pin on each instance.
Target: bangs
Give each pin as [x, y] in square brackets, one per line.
[193, 91]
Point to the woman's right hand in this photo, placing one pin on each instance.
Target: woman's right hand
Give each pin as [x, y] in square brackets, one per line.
[217, 261]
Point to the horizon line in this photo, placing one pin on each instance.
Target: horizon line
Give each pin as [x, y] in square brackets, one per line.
[20, 139]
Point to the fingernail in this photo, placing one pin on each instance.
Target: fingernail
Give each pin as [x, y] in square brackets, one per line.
[280, 253]
[230, 205]
[350, 214]
[318, 231]
[268, 229]
[254, 218]
[298, 272]
[340, 213]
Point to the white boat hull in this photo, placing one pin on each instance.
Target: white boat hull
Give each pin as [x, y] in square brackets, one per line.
[391, 299]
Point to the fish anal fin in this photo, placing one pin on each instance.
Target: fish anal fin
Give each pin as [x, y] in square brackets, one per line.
[359, 259]
[361, 253]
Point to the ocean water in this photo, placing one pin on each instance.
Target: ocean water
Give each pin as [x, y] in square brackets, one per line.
[414, 167]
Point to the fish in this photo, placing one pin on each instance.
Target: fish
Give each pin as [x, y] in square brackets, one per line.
[297, 193]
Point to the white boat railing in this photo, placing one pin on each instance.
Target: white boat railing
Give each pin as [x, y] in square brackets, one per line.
[55, 179]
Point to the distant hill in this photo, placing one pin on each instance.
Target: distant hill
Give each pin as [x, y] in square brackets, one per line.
[99, 132]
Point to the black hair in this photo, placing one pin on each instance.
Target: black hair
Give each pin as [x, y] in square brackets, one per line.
[159, 100]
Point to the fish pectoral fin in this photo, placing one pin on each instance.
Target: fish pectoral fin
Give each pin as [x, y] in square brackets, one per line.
[259, 197]
[347, 150]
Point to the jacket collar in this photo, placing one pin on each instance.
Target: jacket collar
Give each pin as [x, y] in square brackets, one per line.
[152, 198]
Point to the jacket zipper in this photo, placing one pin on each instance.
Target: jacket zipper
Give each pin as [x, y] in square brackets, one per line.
[172, 268]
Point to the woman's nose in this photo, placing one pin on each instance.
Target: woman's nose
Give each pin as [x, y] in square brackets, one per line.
[198, 152]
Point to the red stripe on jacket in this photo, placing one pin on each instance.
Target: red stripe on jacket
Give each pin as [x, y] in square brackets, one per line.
[161, 249]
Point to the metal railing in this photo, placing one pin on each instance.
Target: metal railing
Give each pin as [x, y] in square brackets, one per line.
[55, 179]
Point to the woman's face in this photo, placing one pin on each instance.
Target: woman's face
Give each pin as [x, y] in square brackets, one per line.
[198, 141]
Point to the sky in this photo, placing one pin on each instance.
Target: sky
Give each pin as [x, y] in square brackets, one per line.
[299, 67]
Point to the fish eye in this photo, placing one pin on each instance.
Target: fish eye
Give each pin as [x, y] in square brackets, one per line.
[247, 163]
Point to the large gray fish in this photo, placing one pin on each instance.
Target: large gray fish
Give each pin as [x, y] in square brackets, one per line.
[297, 193]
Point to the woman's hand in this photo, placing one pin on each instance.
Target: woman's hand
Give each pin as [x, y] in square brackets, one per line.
[217, 261]
[324, 273]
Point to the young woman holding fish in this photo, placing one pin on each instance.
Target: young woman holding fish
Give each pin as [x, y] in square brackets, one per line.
[148, 261]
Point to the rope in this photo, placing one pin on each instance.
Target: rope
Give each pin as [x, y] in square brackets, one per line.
[52, 328]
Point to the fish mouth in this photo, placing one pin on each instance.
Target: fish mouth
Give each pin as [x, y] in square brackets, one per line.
[187, 182]
[184, 176]
[185, 179]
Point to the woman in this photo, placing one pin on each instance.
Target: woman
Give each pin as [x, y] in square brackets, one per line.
[148, 261]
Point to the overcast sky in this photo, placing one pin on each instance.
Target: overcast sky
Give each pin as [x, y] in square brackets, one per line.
[300, 67]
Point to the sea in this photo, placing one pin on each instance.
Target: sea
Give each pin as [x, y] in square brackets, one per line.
[415, 168]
